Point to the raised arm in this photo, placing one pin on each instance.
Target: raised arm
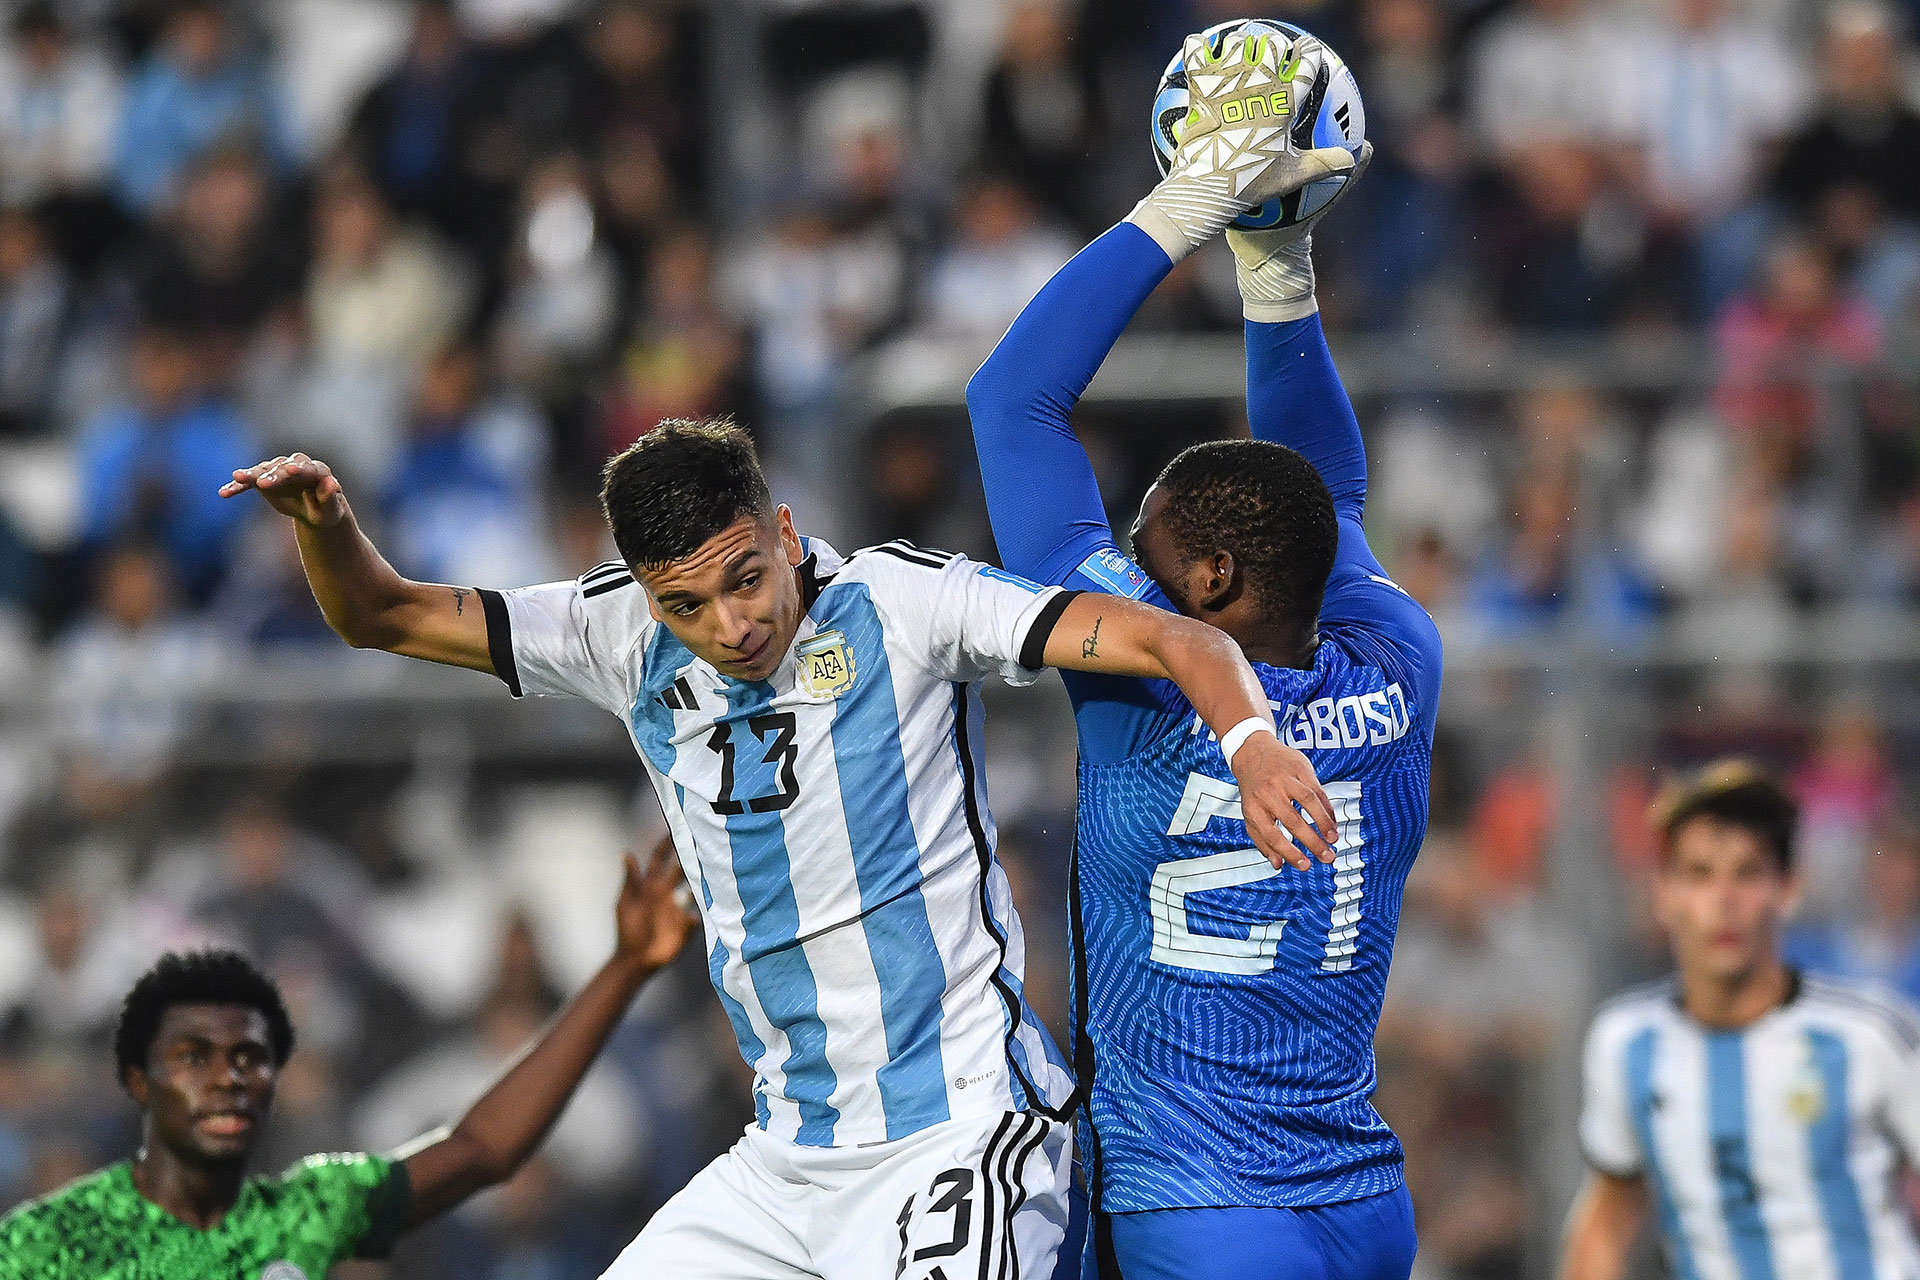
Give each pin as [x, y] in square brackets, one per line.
[369, 604]
[1118, 637]
[1042, 497]
[509, 1121]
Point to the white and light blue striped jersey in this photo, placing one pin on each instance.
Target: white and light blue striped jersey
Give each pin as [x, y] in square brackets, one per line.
[833, 821]
[1772, 1152]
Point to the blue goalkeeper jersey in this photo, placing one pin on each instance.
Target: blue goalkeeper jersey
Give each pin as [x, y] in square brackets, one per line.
[1223, 1011]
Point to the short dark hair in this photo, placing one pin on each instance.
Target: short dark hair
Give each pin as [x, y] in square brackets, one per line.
[1735, 792]
[215, 976]
[1266, 506]
[678, 485]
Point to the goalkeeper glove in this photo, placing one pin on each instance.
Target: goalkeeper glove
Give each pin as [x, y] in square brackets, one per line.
[1236, 150]
[1275, 267]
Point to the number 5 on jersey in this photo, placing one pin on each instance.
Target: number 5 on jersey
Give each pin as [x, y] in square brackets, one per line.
[1175, 943]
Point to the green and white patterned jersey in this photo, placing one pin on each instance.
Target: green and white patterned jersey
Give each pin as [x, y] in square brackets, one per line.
[295, 1227]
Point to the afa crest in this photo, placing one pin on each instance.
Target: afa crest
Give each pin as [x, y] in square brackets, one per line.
[826, 664]
[1806, 1093]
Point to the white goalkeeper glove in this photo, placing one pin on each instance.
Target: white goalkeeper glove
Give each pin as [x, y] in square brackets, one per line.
[1275, 267]
[1236, 150]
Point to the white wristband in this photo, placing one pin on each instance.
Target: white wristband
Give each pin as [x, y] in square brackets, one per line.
[1235, 738]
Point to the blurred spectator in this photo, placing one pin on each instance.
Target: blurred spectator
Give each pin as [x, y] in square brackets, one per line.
[1388, 247]
[124, 679]
[379, 292]
[59, 99]
[1040, 110]
[638, 79]
[600, 1139]
[637, 204]
[222, 262]
[1853, 171]
[1532, 77]
[463, 503]
[563, 292]
[198, 87]
[1713, 95]
[1560, 557]
[151, 467]
[1879, 939]
[1473, 976]
[36, 308]
[1782, 344]
[1865, 137]
[1001, 255]
[1560, 250]
[1846, 793]
[414, 128]
[685, 359]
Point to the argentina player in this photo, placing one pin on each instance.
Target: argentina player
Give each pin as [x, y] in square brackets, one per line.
[1225, 1008]
[812, 727]
[1764, 1119]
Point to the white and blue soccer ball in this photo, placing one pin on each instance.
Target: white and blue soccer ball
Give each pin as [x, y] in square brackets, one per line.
[1328, 113]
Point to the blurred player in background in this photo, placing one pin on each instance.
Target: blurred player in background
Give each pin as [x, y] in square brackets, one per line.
[1769, 1117]
[812, 727]
[1224, 1007]
[200, 1045]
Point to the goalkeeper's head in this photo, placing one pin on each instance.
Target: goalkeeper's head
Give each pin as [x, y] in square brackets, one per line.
[693, 519]
[1241, 534]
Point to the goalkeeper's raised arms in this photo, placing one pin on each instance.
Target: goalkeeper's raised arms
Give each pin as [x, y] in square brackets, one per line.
[369, 604]
[1236, 147]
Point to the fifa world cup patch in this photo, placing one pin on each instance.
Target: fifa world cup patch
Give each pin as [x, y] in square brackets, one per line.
[826, 664]
[1116, 574]
[283, 1271]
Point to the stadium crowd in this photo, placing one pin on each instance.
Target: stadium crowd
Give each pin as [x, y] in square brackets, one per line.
[463, 249]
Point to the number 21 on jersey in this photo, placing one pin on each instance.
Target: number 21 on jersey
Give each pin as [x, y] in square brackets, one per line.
[1175, 943]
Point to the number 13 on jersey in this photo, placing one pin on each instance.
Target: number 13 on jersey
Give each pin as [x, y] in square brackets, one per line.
[1174, 941]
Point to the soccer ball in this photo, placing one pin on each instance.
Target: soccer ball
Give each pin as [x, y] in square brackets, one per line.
[1327, 114]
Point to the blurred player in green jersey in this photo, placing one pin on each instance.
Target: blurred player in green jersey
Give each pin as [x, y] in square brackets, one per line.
[200, 1043]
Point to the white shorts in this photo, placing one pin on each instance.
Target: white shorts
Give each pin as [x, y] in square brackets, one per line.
[959, 1200]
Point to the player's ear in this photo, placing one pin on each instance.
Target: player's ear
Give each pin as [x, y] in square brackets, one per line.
[1792, 892]
[789, 536]
[138, 1087]
[1216, 589]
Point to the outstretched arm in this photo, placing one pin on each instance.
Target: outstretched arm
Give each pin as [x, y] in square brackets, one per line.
[1295, 398]
[369, 604]
[504, 1127]
[1041, 493]
[1046, 509]
[1118, 637]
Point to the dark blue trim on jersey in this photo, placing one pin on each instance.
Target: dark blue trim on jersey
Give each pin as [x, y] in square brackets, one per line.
[886, 864]
[1829, 1151]
[500, 638]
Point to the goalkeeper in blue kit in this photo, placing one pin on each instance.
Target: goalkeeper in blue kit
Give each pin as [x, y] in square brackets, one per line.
[1225, 1005]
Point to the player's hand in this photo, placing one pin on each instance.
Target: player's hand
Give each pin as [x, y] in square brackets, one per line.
[298, 487]
[1280, 796]
[654, 913]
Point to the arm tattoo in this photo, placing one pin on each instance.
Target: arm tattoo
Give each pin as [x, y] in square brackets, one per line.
[460, 595]
[1091, 645]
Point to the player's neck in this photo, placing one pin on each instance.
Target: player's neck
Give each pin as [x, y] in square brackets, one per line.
[1277, 649]
[198, 1195]
[1740, 1000]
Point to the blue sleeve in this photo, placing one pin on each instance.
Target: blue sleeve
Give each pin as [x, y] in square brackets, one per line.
[1048, 517]
[1295, 398]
